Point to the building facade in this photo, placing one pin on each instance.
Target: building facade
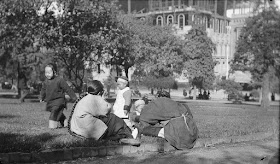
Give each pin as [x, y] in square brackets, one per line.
[222, 20]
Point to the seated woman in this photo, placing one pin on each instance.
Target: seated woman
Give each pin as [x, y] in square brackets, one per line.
[168, 119]
[91, 118]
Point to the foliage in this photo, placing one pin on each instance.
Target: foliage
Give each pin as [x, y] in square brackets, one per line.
[109, 83]
[275, 87]
[258, 49]
[230, 86]
[138, 75]
[159, 83]
[157, 50]
[255, 93]
[197, 56]
[175, 85]
[122, 44]
[20, 28]
[76, 36]
[185, 85]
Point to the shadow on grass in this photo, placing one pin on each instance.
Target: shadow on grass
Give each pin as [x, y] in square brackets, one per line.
[197, 157]
[183, 102]
[13, 142]
[232, 103]
[9, 96]
[34, 100]
[256, 105]
[50, 139]
[177, 157]
[8, 116]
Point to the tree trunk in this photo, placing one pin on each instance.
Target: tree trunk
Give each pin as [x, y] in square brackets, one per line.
[260, 95]
[18, 70]
[265, 92]
[117, 70]
[126, 71]
[194, 93]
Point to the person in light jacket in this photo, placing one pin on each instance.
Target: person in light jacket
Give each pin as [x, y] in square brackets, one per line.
[91, 118]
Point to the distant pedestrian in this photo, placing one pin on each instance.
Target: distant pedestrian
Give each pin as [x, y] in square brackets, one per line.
[53, 92]
[22, 84]
[185, 93]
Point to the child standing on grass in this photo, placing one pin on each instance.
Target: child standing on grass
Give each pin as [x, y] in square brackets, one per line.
[53, 92]
[122, 104]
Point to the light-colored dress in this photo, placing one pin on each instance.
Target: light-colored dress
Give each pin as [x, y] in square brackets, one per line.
[118, 108]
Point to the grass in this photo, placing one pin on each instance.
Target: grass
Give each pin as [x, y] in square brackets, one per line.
[24, 127]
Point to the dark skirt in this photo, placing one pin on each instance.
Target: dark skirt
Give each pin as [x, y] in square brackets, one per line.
[56, 112]
[117, 128]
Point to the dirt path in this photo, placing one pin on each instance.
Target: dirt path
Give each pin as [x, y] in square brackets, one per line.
[247, 152]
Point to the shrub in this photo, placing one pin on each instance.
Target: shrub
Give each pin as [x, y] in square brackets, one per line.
[231, 87]
[255, 93]
[162, 82]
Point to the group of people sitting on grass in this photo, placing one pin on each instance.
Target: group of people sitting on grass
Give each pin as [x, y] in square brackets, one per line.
[93, 117]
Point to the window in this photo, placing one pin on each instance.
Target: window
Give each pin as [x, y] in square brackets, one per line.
[159, 20]
[221, 30]
[181, 20]
[186, 19]
[227, 28]
[216, 25]
[210, 23]
[197, 20]
[156, 4]
[205, 22]
[170, 19]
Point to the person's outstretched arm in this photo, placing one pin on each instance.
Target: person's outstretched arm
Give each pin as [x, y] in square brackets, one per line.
[68, 90]
[42, 95]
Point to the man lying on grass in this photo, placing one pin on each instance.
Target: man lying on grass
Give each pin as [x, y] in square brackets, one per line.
[168, 119]
[91, 118]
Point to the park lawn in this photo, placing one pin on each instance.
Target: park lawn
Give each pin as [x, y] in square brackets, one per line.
[24, 127]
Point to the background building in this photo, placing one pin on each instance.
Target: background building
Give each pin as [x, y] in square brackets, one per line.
[183, 14]
[222, 19]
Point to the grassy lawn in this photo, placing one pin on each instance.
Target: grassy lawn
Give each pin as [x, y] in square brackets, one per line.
[24, 127]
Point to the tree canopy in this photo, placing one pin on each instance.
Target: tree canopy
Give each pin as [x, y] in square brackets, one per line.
[197, 56]
[258, 49]
[32, 33]
[77, 37]
[82, 34]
